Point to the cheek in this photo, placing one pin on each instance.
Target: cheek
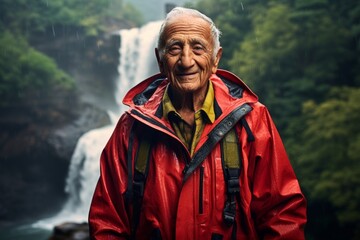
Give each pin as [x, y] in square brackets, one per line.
[207, 61]
[168, 64]
[208, 65]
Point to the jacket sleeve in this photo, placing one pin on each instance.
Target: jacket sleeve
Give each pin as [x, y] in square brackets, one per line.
[108, 217]
[278, 205]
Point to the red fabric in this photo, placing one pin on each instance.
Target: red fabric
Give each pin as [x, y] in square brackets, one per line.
[271, 206]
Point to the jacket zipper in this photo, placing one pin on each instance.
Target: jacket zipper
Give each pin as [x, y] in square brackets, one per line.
[201, 190]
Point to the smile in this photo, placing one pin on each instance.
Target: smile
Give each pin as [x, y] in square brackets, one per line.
[186, 75]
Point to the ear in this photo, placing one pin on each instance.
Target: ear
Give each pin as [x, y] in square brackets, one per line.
[217, 60]
[160, 64]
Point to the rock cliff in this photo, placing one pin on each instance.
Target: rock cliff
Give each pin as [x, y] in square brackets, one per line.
[38, 136]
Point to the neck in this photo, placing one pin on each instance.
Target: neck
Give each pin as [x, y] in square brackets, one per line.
[186, 104]
[190, 101]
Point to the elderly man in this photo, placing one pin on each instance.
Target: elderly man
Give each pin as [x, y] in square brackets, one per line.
[196, 156]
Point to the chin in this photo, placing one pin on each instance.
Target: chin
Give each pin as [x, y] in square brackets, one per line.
[188, 88]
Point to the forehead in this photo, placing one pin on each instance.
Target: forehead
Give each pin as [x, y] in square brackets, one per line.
[185, 26]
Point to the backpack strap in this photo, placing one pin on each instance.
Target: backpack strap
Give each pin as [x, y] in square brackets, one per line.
[129, 189]
[140, 174]
[214, 137]
[231, 162]
[136, 179]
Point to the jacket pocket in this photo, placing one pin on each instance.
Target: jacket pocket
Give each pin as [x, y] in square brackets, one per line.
[201, 190]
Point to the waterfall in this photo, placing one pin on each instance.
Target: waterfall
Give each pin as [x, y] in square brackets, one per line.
[137, 56]
[137, 62]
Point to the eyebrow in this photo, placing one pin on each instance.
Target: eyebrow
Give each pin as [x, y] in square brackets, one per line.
[198, 41]
[173, 41]
[181, 41]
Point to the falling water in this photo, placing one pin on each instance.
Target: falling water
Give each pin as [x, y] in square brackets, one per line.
[137, 56]
[137, 61]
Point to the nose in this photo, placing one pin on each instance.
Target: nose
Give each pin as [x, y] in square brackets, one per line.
[186, 58]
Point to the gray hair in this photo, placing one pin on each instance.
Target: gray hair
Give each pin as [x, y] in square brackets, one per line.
[215, 32]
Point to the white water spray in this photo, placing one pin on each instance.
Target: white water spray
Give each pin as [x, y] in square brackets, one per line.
[137, 56]
[137, 62]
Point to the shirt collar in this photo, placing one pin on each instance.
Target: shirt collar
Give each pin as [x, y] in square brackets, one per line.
[207, 108]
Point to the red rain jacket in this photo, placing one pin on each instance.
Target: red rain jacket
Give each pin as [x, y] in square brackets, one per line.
[271, 204]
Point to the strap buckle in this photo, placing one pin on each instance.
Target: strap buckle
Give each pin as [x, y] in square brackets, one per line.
[138, 184]
[232, 180]
[138, 188]
[229, 213]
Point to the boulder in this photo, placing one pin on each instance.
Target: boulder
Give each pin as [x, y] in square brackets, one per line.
[71, 231]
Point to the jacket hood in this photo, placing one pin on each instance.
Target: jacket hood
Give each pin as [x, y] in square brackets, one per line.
[228, 88]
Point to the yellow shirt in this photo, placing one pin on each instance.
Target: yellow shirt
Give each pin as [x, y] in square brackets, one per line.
[190, 135]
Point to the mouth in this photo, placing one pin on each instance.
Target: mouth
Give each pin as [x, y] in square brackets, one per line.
[186, 75]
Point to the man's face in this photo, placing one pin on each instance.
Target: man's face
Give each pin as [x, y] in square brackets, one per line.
[188, 60]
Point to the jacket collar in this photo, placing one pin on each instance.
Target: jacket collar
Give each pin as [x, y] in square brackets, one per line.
[229, 90]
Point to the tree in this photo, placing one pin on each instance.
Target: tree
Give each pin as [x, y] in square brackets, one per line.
[291, 56]
[233, 18]
[23, 70]
[30, 17]
[295, 52]
[329, 157]
[265, 58]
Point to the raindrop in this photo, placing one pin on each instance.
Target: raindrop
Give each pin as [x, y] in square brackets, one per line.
[242, 6]
[53, 30]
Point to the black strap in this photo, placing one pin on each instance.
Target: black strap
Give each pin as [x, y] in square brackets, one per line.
[136, 179]
[249, 133]
[138, 185]
[156, 234]
[216, 236]
[231, 163]
[135, 190]
[129, 190]
[214, 137]
[140, 173]
[232, 189]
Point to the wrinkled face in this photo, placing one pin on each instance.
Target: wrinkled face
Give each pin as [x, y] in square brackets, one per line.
[188, 59]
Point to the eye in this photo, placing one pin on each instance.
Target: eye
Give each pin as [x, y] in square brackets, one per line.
[198, 49]
[174, 49]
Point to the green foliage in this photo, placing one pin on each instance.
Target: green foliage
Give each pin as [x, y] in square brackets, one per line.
[291, 55]
[234, 20]
[27, 17]
[130, 13]
[331, 153]
[303, 60]
[262, 53]
[265, 59]
[23, 69]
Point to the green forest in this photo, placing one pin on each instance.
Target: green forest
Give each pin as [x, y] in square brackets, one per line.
[25, 70]
[301, 57]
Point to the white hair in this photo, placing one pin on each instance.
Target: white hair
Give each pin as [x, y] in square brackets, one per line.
[215, 32]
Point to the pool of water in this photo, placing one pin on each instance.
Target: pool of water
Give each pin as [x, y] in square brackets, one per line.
[24, 232]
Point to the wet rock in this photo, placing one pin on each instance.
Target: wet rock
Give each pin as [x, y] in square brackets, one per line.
[34, 158]
[71, 231]
[39, 135]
